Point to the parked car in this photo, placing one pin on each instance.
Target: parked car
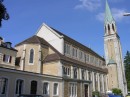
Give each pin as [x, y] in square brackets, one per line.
[29, 95]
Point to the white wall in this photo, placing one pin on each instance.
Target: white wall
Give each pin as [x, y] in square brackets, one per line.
[52, 37]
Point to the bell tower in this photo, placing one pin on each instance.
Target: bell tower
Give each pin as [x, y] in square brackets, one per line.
[113, 54]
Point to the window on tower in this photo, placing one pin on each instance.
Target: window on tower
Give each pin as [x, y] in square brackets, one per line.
[113, 27]
[109, 30]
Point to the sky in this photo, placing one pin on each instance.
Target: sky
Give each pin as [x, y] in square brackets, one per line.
[82, 20]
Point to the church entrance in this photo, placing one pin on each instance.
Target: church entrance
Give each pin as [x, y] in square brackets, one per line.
[86, 90]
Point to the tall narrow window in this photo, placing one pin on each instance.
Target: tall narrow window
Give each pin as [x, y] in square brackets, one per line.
[109, 29]
[113, 27]
[55, 89]
[46, 88]
[83, 73]
[89, 75]
[19, 86]
[3, 85]
[73, 90]
[31, 56]
[75, 72]
[33, 87]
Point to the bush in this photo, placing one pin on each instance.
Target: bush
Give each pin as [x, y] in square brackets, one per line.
[116, 91]
[96, 93]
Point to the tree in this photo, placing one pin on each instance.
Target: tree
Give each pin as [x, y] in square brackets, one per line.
[127, 69]
[3, 13]
[116, 91]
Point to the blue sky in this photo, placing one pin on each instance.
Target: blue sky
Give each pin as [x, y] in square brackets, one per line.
[82, 20]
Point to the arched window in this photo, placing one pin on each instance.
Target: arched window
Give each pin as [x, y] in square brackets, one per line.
[33, 87]
[109, 29]
[113, 27]
[31, 56]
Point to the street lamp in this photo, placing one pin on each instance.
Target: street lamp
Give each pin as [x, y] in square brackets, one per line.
[126, 14]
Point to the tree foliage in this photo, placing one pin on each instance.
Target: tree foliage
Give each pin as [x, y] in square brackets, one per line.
[96, 93]
[116, 91]
[3, 13]
[127, 69]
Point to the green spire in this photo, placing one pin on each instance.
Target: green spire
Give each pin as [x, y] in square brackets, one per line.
[108, 15]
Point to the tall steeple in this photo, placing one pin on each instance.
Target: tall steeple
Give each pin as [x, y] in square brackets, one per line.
[108, 16]
[110, 25]
[113, 54]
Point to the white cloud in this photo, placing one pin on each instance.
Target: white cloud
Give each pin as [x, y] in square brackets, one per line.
[100, 17]
[117, 14]
[90, 5]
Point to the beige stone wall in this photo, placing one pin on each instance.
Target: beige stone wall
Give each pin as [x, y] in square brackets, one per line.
[28, 77]
[53, 68]
[10, 53]
[111, 52]
[51, 51]
[79, 89]
[38, 50]
[113, 78]
[66, 89]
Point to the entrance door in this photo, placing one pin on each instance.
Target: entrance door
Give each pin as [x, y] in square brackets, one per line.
[33, 87]
[86, 90]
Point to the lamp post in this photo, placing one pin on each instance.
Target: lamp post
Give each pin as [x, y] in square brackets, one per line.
[126, 14]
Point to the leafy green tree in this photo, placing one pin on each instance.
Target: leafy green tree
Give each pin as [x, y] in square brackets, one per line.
[96, 93]
[3, 13]
[116, 91]
[127, 69]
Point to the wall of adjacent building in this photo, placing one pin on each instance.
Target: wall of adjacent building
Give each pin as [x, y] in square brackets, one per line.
[10, 53]
[13, 75]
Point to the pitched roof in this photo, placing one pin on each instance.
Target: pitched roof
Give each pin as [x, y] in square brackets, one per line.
[77, 44]
[4, 45]
[111, 61]
[33, 40]
[108, 16]
[58, 56]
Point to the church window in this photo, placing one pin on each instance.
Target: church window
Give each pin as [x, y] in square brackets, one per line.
[3, 85]
[91, 59]
[33, 89]
[74, 52]
[109, 29]
[66, 71]
[75, 72]
[113, 27]
[55, 89]
[80, 55]
[31, 56]
[67, 49]
[83, 73]
[73, 90]
[46, 88]
[19, 86]
[89, 75]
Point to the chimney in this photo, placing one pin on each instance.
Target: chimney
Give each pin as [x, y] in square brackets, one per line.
[8, 44]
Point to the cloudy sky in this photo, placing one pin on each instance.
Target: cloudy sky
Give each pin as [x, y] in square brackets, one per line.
[82, 20]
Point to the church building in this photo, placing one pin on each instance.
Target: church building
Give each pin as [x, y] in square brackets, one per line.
[52, 64]
[113, 54]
